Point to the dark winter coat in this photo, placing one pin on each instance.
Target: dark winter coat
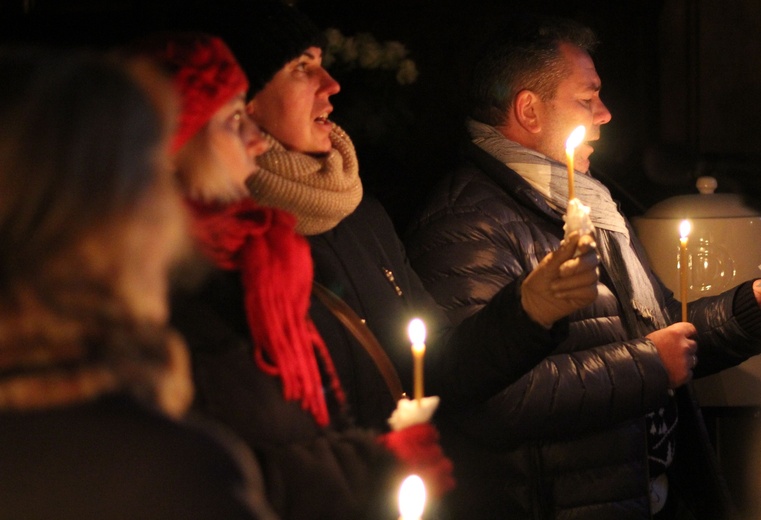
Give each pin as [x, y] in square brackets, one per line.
[567, 440]
[310, 472]
[114, 458]
[364, 262]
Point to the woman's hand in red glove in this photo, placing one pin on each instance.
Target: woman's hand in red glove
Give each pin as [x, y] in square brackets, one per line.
[417, 447]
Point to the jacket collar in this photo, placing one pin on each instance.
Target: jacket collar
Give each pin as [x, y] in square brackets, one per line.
[510, 181]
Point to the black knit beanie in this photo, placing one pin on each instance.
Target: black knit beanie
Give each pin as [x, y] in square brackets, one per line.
[264, 35]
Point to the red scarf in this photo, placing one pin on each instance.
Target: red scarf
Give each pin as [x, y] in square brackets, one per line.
[276, 271]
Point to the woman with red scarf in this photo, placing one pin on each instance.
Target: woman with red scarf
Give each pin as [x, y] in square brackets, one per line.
[259, 364]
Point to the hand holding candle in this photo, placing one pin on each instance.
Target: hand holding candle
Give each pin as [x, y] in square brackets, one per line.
[416, 331]
[684, 231]
[415, 443]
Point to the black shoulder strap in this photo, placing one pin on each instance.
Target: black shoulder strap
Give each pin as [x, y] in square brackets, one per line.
[363, 335]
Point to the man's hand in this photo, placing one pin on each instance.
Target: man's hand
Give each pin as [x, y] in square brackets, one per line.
[562, 282]
[677, 351]
[757, 291]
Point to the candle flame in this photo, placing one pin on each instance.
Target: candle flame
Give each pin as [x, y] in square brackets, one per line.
[684, 228]
[575, 139]
[412, 498]
[416, 330]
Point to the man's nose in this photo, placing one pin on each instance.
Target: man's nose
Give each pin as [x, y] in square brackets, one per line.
[601, 114]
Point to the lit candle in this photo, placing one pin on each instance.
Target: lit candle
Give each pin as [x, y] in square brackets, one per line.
[411, 498]
[416, 330]
[684, 231]
[574, 140]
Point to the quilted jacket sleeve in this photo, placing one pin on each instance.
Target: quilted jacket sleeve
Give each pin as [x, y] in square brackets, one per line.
[573, 393]
[470, 262]
[579, 391]
[729, 328]
[728, 324]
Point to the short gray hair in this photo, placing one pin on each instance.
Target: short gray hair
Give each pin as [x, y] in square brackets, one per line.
[523, 56]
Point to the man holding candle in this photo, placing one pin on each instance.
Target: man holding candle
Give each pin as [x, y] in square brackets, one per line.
[603, 426]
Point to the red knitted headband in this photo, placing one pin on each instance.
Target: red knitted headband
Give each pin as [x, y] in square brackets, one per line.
[207, 76]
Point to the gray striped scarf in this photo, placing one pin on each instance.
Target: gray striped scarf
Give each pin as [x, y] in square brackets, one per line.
[550, 179]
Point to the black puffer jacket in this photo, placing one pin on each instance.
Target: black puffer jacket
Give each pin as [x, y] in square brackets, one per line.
[568, 439]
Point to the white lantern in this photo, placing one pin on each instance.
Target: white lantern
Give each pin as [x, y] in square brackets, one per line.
[724, 250]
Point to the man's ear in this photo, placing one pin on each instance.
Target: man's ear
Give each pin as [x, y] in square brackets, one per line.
[526, 111]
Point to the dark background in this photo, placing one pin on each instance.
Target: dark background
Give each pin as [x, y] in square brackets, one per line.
[682, 79]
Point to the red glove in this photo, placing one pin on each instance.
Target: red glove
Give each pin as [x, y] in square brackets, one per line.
[417, 447]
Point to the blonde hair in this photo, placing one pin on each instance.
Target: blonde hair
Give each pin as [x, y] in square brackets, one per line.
[81, 142]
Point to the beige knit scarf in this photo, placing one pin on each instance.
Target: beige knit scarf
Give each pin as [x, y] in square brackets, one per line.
[319, 190]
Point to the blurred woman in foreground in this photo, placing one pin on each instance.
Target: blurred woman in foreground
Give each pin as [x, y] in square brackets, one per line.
[92, 381]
